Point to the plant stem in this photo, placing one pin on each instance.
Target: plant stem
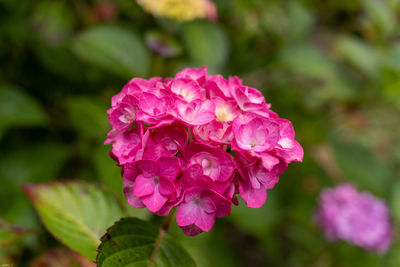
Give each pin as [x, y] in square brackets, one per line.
[163, 231]
[168, 220]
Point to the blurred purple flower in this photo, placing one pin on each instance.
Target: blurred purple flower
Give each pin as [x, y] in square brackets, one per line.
[357, 217]
[162, 44]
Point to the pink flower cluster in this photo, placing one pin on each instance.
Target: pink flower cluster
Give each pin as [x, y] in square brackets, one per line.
[174, 140]
[357, 217]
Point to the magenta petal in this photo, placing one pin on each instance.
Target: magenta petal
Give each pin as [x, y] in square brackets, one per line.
[169, 167]
[153, 105]
[187, 214]
[268, 160]
[295, 153]
[148, 167]
[133, 200]
[166, 187]
[205, 221]
[191, 230]
[143, 186]
[188, 90]
[254, 198]
[155, 201]
[199, 75]
[164, 211]
[207, 205]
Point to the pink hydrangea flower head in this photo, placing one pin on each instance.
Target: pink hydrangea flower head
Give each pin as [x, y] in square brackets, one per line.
[196, 142]
[344, 213]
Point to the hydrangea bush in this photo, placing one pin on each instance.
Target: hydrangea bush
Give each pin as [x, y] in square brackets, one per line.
[357, 217]
[194, 142]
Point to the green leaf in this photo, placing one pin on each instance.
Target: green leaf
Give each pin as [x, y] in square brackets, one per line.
[308, 61]
[11, 233]
[17, 167]
[381, 15]
[362, 167]
[296, 57]
[207, 43]
[76, 213]
[88, 117]
[360, 54]
[115, 49]
[61, 61]
[301, 19]
[53, 21]
[19, 109]
[133, 242]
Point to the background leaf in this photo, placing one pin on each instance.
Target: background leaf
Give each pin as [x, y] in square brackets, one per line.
[361, 167]
[88, 117]
[19, 109]
[207, 43]
[18, 167]
[360, 54]
[76, 213]
[381, 15]
[132, 242]
[114, 49]
[10, 233]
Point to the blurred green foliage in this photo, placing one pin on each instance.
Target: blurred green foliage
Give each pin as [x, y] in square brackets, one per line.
[332, 67]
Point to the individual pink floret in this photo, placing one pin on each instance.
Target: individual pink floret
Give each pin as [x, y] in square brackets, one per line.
[214, 162]
[254, 133]
[173, 137]
[197, 112]
[255, 179]
[225, 110]
[187, 90]
[198, 210]
[154, 181]
[124, 115]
